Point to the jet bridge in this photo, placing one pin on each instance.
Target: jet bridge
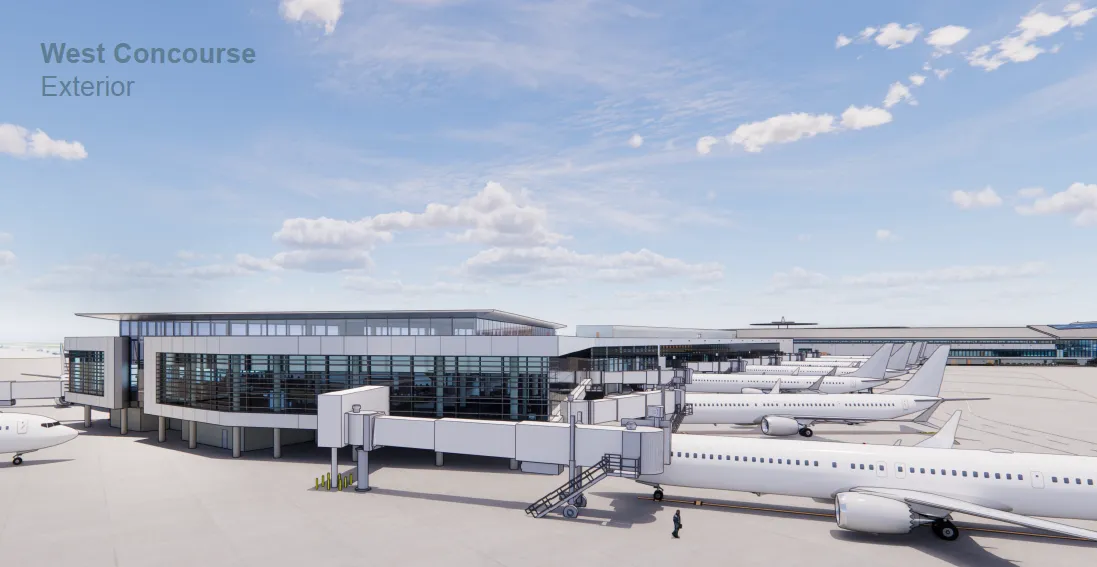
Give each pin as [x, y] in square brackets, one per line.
[14, 390]
[358, 417]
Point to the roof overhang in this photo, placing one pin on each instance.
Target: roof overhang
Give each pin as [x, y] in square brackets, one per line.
[491, 314]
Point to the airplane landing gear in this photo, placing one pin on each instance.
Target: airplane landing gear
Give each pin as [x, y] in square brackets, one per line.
[806, 432]
[17, 460]
[945, 530]
[580, 501]
[658, 496]
[571, 512]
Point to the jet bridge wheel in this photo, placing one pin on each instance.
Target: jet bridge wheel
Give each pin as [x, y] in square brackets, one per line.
[571, 512]
[658, 496]
[580, 501]
[806, 432]
[17, 461]
[945, 530]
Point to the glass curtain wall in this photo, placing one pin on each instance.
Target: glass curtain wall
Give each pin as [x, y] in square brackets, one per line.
[86, 371]
[474, 387]
[399, 326]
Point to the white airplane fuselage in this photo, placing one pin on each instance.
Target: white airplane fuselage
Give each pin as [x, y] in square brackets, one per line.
[827, 363]
[734, 383]
[784, 370]
[23, 433]
[746, 409]
[1055, 486]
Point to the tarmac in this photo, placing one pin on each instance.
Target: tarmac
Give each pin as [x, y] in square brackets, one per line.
[106, 499]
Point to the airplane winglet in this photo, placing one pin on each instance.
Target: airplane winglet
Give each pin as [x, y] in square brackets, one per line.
[945, 436]
[776, 387]
[818, 383]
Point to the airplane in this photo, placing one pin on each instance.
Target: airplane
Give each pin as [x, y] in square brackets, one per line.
[795, 413]
[896, 366]
[893, 489]
[869, 375]
[22, 433]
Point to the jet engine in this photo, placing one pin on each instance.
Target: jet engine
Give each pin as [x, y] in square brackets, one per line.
[874, 514]
[779, 426]
[752, 391]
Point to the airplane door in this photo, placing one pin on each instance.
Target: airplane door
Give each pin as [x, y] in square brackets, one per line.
[1037, 479]
[21, 427]
[906, 403]
[900, 470]
[881, 469]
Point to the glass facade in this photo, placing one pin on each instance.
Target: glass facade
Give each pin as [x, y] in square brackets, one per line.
[473, 387]
[1049, 348]
[1001, 353]
[86, 371]
[367, 326]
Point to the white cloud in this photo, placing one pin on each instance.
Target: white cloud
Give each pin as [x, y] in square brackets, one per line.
[894, 36]
[1031, 192]
[867, 32]
[780, 129]
[945, 37]
[636, 141]
[1079, 200]
[941, 73]
[898, 92]
[187, 255]
[884, 235]
[705, 143]
[20, 142]
[493, 216]
[954, 274]
[1019, 46]
[326, 12]
[856, 118]
[397, 287]
[7, 258]
[1072, 7]
[323, 260]
[976, 199]
[797, 278]
[122, 275]
[917, 80]
[842, 41]
[543, 263]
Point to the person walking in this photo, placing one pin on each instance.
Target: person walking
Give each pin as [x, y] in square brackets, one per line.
[677, 523]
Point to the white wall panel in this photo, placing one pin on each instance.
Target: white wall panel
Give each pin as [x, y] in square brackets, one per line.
[473, 437]
[309, 345]
[452, 346]
[504, 346]
[379, 345]
[409, 432]
[478, 346]
[631, 406]
[604, 410]
[403, 346]
[538, 346]
[331, 345]
[428, 346]
[542, 442]
[356, 345]
[593, 442]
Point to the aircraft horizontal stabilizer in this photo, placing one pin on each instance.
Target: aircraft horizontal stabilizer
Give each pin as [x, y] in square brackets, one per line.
[945, 436]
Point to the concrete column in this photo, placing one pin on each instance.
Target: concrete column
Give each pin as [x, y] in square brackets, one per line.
[277, 443]
[514, 464]
[437, 458]
[363, 470]
[162, 429]
[334, 464]
[87, 416]
[124, 421]
[236, 442]
[192, 434]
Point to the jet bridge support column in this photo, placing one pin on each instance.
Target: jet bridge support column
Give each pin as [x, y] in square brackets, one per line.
[161, 429]
[362, 473]
[237, 440]
[334, 463]
[277, 443]
[123, 420]
[192, 434]
[87, 416]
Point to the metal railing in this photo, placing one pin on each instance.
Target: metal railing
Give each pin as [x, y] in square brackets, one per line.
[610, 465]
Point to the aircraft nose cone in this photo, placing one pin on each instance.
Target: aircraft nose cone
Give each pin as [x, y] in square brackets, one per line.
[69, 433]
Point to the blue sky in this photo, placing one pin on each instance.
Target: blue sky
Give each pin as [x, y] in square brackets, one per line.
[701, 164]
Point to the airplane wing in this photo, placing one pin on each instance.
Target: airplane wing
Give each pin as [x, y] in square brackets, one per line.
[954, 505]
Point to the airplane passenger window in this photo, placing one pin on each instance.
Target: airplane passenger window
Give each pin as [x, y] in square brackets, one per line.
[870, 468]
[953, 472]
[963, 473]
[797, 461]
[1020, 477]
[1009, 476]
[778, 461]
[986, 475]
[753, 459]
[771, 460]
[1077, 481]
[736, 457]
[679, 453]
[997, 476]
[932, 471]
[923, 471]
[862, 467]
[1054, 479]
[900, 468]
[1089, 481]
[719, 457]
[834, 464]
[695, 455]
[852, 466]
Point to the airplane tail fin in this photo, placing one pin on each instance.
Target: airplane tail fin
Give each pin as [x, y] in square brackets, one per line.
[776, 387]
[899, 358]
[818, 383]
[915, 353]
[945, 436]
[927, 380]
[876, 365]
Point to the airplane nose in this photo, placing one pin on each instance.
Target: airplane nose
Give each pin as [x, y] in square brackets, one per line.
[69, 433]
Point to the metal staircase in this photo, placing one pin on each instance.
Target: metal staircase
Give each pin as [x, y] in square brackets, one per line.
[610, 465]
[680, 413]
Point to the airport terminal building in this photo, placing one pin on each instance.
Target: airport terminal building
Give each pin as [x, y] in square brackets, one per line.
[251, 380]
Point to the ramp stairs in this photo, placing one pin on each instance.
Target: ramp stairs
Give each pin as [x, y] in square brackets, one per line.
[610, 465]
[680, 413]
